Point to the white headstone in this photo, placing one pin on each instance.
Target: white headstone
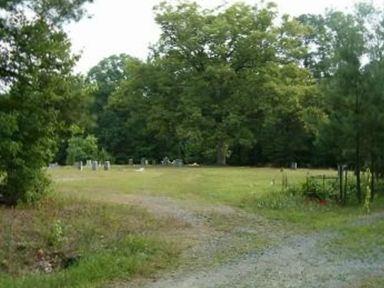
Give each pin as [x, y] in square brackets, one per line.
[107, 165]
[94, 165]
[178, 163]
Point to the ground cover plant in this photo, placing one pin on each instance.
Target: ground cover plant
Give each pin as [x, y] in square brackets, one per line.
[69, 242]
[118, 225]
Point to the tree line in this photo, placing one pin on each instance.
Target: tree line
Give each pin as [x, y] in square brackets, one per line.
[237, 85]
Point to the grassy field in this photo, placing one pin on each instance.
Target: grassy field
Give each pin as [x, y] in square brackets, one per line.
[89, 233]
[215, 185]
[252, 189]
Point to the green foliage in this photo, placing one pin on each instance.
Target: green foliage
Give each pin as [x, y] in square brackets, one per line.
[206, 92]
[321, 189]
[110, 128]
[276, 200]
[346, 61]
[82, 149]
[87, 244]
[35, 67]
[56, 235]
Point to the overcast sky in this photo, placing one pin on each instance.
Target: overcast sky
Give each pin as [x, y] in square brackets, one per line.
[128, 26]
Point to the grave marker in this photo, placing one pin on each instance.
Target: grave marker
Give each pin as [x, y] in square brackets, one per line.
[178, 163]
[107, 165]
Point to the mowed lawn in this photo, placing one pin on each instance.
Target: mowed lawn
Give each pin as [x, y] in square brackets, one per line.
[257, 190]
[93, 233]
[230, 185]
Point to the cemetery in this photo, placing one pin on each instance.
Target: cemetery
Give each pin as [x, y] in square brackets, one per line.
[242, 149]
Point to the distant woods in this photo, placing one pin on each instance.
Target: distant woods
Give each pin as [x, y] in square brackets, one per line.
[239, 86]
[236, 85]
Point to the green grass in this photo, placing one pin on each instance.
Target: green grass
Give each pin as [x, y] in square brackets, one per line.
[213, 185]
[108, 242]
[373, 282]
[132, 255]
[118, 242]
[359, 241]
[256, 190]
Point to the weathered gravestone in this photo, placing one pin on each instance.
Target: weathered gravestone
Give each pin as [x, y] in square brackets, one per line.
[166, 161]
[80, 165]
[94, 165]
[107, 165]
[53, 165]
[130, 162]
[178, 163]
[294, 165]
[89, 163]
[143, 162]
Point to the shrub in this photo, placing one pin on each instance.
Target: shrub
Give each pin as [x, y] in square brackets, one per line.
[320, 189]
[287, 198]
[25, 184]
[84, 148]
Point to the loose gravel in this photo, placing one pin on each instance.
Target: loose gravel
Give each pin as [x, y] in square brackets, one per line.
[291, 261]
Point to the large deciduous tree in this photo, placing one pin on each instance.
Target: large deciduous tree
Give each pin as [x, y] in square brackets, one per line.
[228, 66]
[110, 128]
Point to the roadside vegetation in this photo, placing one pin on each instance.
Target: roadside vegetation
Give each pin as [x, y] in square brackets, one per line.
[91, 232]
[69, 242]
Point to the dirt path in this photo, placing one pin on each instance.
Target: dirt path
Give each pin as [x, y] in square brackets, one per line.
[284, 260]
[296, 263]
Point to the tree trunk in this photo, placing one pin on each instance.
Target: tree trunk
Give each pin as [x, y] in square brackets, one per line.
[358, 166]
[222, 151]
[345, 187]
[340, 172]
[358, 180]
[373, 169]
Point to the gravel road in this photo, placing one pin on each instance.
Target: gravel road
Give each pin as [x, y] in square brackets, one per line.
[292, 261]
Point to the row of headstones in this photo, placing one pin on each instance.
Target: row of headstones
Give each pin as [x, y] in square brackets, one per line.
[176, 162]
[164, 162]
[94, 165]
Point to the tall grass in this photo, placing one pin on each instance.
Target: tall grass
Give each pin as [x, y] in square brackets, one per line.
[82, 242]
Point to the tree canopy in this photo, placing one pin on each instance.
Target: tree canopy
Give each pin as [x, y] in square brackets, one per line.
[237, 85]
[35, 82]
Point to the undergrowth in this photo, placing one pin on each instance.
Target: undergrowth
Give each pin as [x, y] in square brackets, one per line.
[73, 243]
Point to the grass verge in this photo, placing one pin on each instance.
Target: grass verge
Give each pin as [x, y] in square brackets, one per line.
[78, 243]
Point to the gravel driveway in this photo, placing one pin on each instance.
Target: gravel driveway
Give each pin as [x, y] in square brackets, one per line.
[292, 261]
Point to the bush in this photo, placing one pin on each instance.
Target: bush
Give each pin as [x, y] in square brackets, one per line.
[320, 189]
[81, 149]
[287, 198]
[25, 184]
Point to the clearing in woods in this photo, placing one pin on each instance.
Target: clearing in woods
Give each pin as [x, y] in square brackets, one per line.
[232, 227]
